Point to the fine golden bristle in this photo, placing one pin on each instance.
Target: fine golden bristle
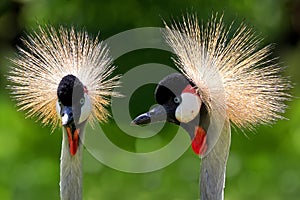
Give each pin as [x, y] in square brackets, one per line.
[254, 90]
[48, 55]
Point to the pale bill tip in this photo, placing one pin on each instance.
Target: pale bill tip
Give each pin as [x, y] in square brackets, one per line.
[64, 119]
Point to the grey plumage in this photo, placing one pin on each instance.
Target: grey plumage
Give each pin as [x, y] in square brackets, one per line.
[48, 56]
[236, 79]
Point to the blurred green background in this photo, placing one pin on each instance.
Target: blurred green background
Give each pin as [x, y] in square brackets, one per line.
[264, 165]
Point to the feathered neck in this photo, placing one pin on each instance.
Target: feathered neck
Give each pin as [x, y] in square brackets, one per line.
[71, 170]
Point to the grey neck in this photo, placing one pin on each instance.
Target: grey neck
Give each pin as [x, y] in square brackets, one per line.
[71, 170]
[213, 167]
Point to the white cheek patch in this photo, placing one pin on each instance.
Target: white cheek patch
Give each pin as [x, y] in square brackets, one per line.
[189, 107]
[58, 109]
[86, 109]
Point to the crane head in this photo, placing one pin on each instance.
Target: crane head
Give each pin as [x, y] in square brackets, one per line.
[179, 103]
[73, 107]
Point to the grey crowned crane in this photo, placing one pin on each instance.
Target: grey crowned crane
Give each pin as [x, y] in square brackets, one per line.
[225, 80]
[64, 77]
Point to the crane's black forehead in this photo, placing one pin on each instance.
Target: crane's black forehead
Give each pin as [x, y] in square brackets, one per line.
[171, 86]
[69, 90]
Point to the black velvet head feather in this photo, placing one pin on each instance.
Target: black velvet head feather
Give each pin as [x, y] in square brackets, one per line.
[70, 90]
[171, 86]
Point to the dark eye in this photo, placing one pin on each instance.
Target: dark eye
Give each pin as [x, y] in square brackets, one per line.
[82, 100]
[177, 100]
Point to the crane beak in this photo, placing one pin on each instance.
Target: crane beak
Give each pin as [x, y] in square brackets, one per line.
[70, 127]
[67, 115]
[156, 114]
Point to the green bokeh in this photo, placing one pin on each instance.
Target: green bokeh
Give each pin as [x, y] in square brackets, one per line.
[263, 165]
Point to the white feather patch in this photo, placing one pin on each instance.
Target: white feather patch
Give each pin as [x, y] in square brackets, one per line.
[64, 119]
[58, 109]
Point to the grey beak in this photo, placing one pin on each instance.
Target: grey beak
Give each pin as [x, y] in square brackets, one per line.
[156, 114]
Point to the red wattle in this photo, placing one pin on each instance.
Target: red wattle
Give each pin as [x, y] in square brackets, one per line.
[199, 145]
[73, 140]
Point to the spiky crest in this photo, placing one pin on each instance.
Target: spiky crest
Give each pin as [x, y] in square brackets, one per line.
[48, 55]
[233, 66]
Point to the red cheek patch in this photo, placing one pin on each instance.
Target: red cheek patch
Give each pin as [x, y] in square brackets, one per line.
[85, 90]
[199, 145]
[189, 89]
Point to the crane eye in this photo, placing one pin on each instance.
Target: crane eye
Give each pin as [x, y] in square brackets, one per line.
[86, 108]
[82, 100]
[177, 100]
